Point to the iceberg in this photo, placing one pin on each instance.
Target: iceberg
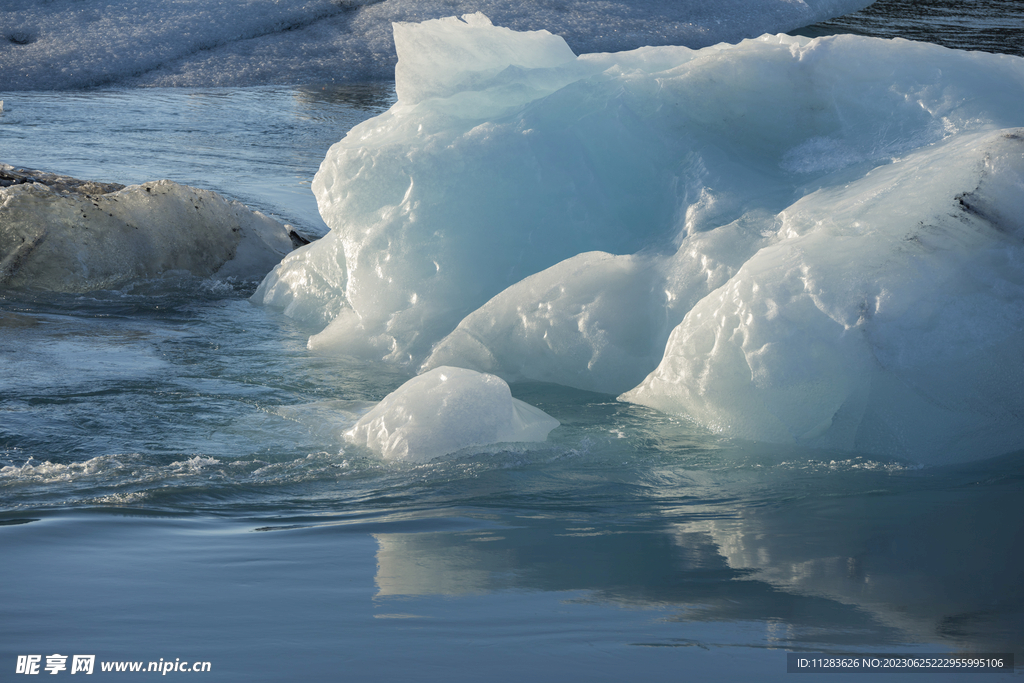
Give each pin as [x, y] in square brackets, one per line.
[887, 318]
[62, 234]
[795, 240]
[444, 411]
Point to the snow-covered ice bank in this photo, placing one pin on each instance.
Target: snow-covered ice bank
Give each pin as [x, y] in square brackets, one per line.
[66, 235]
[807, 241]
[63, 44]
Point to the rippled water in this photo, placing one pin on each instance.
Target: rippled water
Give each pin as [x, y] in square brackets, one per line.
[174, 482]
[987, 25]
[259, 145]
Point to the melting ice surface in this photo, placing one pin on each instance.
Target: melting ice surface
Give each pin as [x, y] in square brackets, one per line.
[792, 240]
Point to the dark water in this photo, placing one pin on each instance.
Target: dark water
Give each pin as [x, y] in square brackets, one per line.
[987, 25]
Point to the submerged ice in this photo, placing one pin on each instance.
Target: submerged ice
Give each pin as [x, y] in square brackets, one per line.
[791, 240]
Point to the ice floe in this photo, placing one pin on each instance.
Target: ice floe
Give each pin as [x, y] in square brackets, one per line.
[62, 234]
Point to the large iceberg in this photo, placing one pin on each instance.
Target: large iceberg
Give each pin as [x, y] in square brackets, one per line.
[815, 241]
[60, 44]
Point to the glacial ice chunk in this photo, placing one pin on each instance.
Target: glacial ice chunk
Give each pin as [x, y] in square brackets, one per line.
[61, 234]
[811, 241]
[887, 318]
[454, 54]
[596, 321]
[588, 322]
[444, 411]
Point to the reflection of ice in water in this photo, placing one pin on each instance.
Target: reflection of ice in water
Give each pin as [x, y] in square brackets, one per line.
[932, 565]
[857, 569]
[410, 564]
